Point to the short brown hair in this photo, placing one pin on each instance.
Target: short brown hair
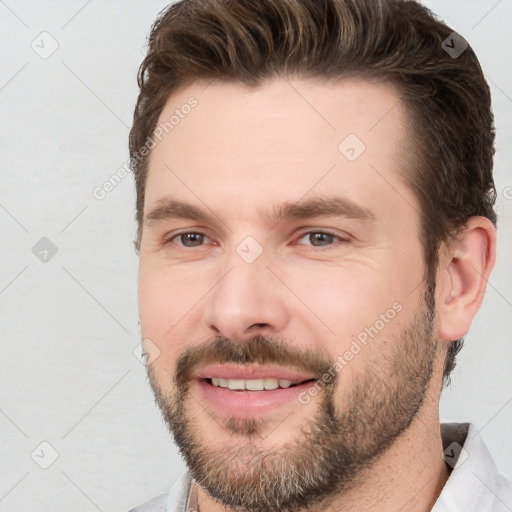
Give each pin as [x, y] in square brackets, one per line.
[394, 41]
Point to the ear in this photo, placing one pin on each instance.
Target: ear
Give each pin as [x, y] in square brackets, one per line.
[465, 264]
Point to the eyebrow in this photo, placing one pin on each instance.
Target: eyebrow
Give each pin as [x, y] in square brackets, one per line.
[317, 207]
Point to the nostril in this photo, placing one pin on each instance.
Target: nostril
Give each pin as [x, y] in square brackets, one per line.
[259, 325]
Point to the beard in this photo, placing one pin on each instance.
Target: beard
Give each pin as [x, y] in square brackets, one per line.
[327, 454]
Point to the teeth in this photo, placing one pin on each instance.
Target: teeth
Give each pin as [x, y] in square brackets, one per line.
[255, 385]
[236, 384]
[271, 384]
[251, 385]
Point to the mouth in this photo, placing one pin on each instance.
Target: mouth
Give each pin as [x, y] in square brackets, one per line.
[249, 391]
[267, 384]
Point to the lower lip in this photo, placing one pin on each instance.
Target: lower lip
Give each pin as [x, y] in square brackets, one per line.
[249, 403]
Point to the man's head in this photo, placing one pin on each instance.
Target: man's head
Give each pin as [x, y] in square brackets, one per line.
[314, 198]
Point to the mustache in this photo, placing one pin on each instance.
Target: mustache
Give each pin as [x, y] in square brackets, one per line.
[259, 349]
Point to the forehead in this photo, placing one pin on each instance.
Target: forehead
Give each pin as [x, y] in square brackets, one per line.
[281, 140]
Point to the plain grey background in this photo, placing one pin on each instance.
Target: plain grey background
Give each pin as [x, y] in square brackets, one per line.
[69, 326]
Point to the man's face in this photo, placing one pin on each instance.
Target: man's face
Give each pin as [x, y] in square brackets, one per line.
[281, 247]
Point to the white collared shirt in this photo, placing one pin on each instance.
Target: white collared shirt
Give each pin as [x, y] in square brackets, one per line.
[474, 485]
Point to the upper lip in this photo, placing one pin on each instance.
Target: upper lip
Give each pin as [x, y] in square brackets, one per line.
[249, 372]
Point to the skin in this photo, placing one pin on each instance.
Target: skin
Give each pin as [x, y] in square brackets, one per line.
[239, 154]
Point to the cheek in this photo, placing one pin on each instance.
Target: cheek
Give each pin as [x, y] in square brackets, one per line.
[166, 295]
[154, 300]
[360, 305]
[169, 305]
[344, 298]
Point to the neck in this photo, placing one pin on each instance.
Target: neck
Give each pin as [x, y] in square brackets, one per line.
[409, 476]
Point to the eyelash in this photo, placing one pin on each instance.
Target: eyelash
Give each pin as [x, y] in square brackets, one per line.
[302, 235]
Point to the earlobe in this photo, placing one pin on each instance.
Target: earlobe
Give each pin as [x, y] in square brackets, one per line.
[464, 269]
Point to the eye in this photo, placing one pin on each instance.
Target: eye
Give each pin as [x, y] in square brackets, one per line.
[320, 238]
[189, 239]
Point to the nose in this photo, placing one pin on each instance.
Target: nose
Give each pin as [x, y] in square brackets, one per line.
[247, 300]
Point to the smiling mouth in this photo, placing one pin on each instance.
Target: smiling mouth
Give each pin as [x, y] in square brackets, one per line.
[266, 384]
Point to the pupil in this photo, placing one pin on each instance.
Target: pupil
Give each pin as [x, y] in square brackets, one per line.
[322, 238]
[191, 239]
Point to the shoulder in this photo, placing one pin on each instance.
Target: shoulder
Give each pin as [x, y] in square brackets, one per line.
[475, 483]
[173, 501]
[157, 504]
